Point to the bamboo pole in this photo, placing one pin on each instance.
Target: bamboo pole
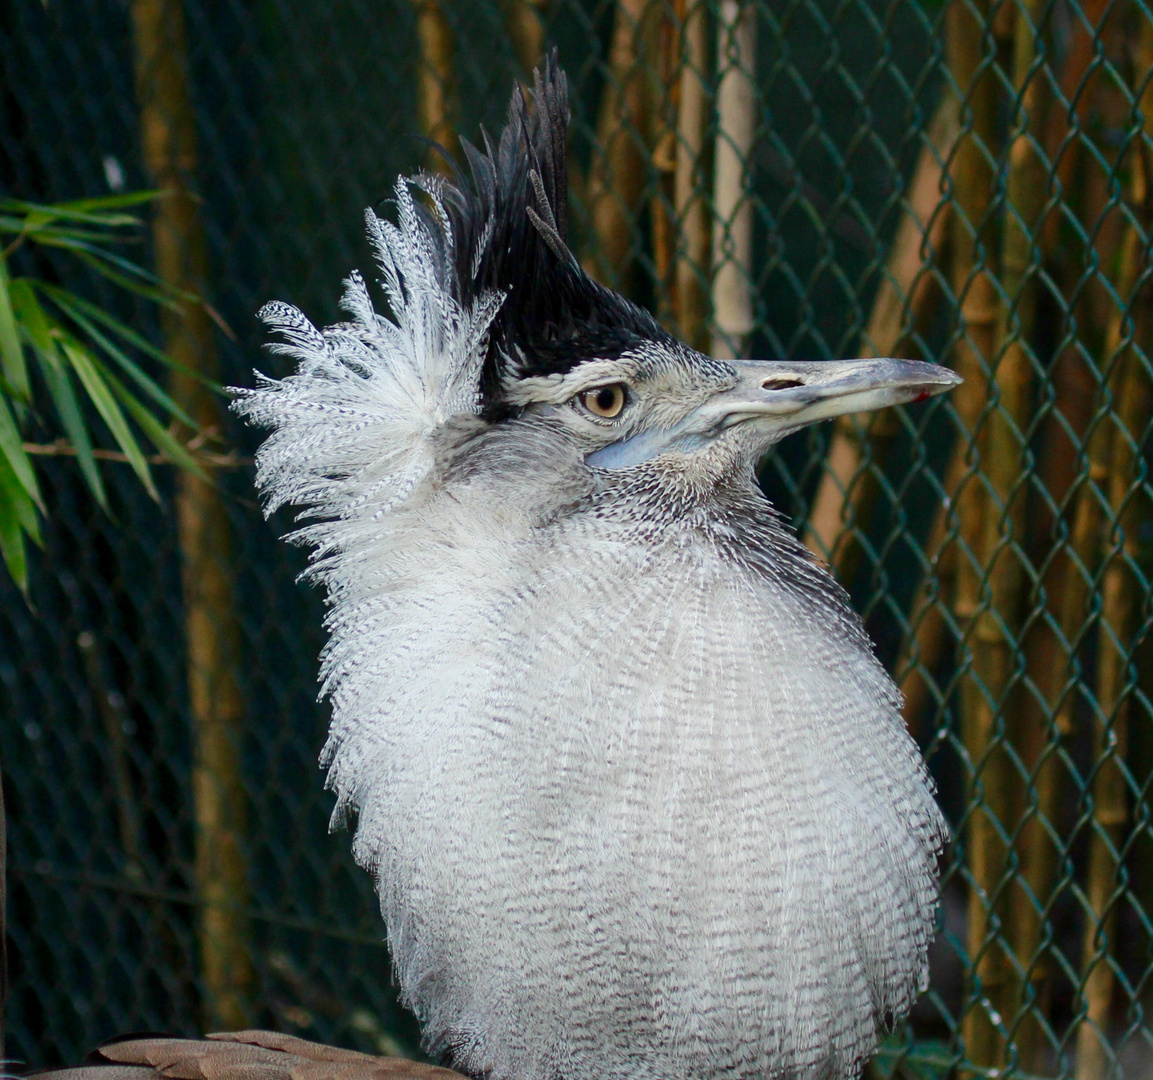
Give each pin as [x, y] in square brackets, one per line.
[1104, 878]
[212, 634]
[1052, 645]
[1093, 497]
[690, 185]
[619, 167]
[1083, 134]
[1007, 928]
[1082, 56]
[436, 93]
[1045, 715]
[524, 22]
[1121, 472]
[924, 643]
[971, 173]
[662, 206]
[905, 296]
[1043, 721]
[112, 712]
[733, 289]
[969, 179]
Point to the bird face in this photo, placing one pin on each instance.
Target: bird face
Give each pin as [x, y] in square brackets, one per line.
[666, 399]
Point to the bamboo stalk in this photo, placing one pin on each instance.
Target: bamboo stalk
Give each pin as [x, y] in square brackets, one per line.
[205, 459]
[1109, 811]
[1096, 104]
[167, 125]
[1133, 406]
[905, 296]
[1051, 651]
[1043, 725]
[110, 707]
[924, 643]
[975, 351]
[998, 629]
[733, 289]
[970, 180]
[1083, 33]
[1104, 883]
[619, 167]
[524, 22]
[690, 185]
[1045, 717]
[436, 94]
[662, 206]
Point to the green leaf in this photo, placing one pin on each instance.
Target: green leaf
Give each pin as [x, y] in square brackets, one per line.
[63, 395]
[12, 449]
[96, 313]
[78, 310]
[93, 211]
[100, 253]
[40, 330]
[135, 280]
[12, 544]
[17, 520]
[63, 235]
[11, 351]
[26, 515]
[163, 439]
[31, 318]
[87, 368]
[69, 338]
[110, 202]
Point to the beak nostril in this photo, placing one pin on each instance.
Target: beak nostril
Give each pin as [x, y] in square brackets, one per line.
[782, 383]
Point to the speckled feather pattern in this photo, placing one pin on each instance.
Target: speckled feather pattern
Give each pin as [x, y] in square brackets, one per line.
[636, 793]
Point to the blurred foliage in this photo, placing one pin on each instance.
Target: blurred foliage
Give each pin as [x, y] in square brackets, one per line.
[60, 349]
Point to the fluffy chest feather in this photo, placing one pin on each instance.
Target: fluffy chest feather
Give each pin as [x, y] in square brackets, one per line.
[634, 808]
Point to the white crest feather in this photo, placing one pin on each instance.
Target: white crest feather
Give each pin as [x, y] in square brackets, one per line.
[353, 426]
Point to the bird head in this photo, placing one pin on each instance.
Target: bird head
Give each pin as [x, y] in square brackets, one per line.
[576, 358]
[499, 337]
[665, 399]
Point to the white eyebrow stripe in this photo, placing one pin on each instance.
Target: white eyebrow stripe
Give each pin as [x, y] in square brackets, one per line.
[558, 388]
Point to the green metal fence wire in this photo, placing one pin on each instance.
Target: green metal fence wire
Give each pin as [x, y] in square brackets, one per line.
[967, 181]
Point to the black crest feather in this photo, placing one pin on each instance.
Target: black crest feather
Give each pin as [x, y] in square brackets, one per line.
[510, 233]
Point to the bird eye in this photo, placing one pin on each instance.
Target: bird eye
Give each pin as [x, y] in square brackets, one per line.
[605, 401]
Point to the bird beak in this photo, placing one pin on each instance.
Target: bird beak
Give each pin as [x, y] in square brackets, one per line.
[779, 396]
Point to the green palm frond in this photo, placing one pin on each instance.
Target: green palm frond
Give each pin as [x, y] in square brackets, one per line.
[87, 360]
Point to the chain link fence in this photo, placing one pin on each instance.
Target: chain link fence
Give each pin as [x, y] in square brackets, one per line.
[967, 181]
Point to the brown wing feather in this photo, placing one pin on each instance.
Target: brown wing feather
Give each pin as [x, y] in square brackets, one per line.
[240, 1055]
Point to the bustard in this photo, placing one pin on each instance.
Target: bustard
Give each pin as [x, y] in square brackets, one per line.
[635, 792]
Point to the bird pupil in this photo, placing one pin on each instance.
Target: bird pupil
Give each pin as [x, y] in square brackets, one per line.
[605, 398]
